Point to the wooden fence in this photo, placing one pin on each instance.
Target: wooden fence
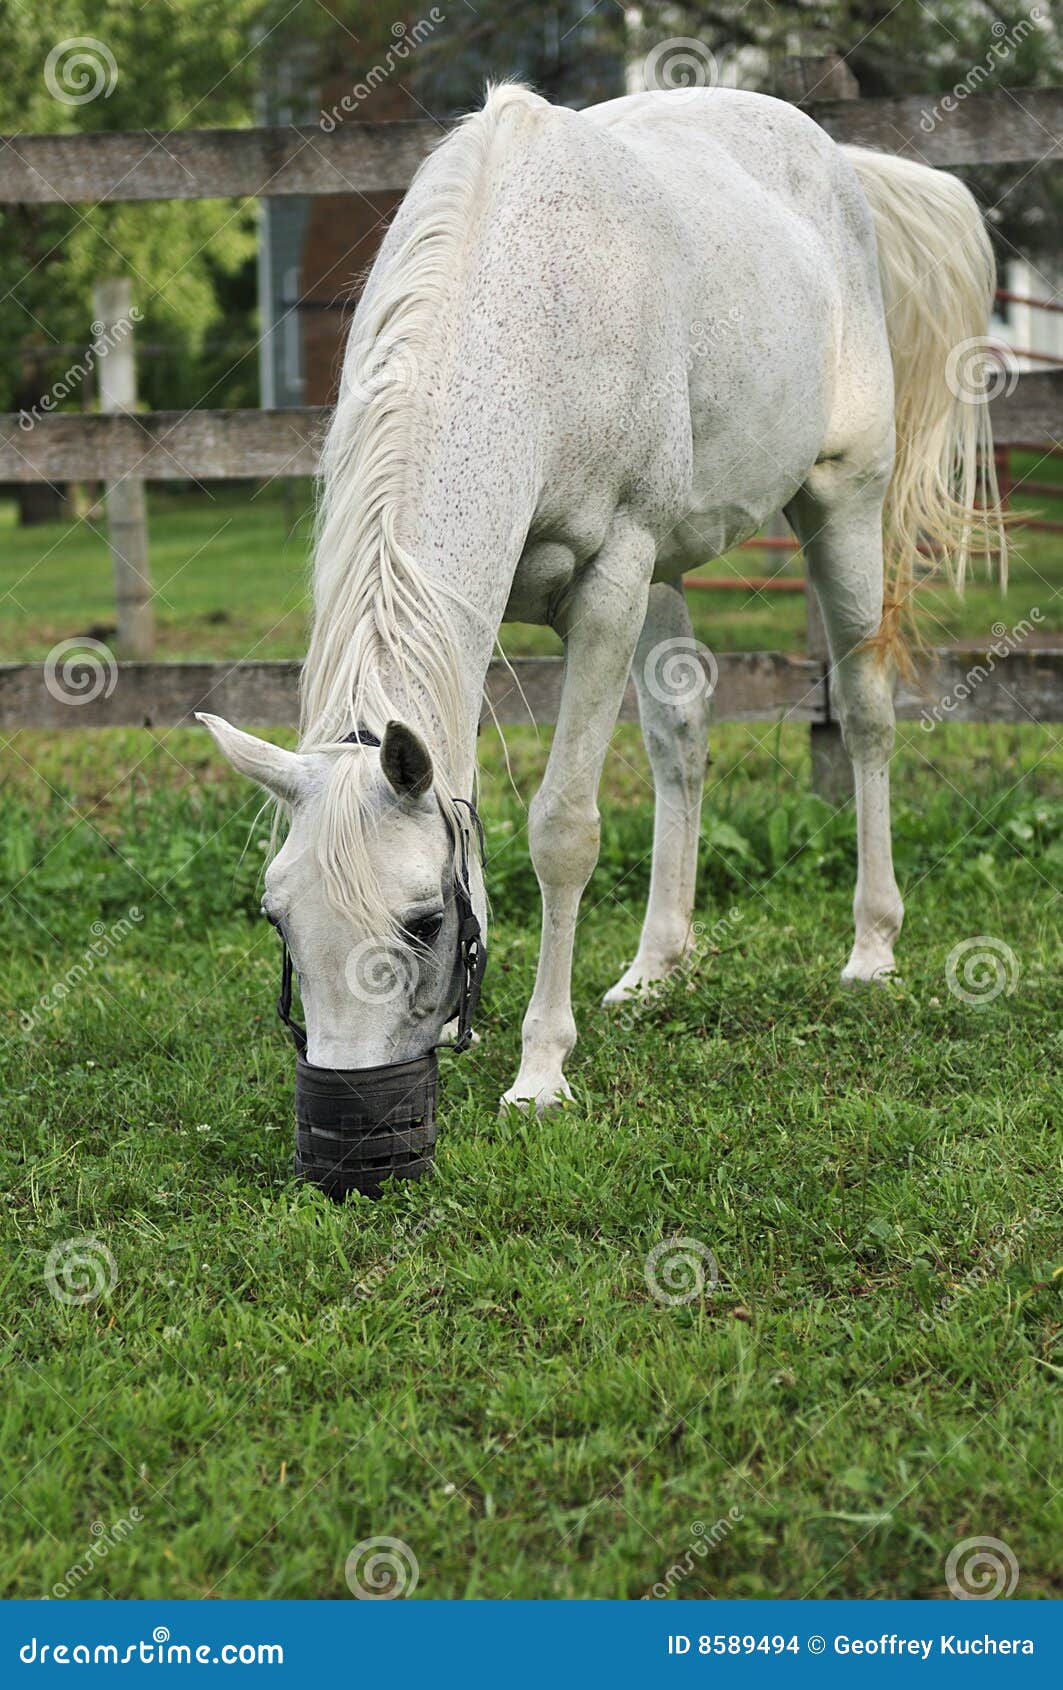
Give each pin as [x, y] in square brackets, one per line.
[968, 685]
[1022, 127]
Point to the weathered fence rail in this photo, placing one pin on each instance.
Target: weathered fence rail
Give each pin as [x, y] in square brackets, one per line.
[963, 685]
[1020, 126]
[164, 445]
[218, 445]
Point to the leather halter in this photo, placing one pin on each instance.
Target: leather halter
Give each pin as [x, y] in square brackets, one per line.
[472, 952]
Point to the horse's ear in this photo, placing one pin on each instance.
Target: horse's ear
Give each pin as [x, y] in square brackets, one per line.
[405, 761]
[284, 773]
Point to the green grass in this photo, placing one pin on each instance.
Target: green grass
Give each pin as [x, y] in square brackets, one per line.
[478, 1366]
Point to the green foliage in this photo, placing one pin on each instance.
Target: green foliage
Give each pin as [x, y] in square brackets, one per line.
[903, 48]
[477, 1365]
[167, 68]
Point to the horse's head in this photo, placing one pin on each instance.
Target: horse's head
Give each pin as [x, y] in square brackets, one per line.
[365, 891]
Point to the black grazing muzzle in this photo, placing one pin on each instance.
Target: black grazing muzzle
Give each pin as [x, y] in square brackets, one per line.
[357, 1127]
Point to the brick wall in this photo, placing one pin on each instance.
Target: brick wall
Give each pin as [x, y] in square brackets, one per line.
[342, 237]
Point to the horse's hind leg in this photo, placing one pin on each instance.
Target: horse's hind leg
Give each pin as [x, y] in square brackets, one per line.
[674, 711]
[839, 524]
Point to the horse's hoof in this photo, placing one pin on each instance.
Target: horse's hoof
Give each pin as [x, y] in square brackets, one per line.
[639, 984]
[532, 1099]
[867, 971]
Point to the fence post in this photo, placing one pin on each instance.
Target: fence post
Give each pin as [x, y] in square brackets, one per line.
[802, 80]
[127, 520]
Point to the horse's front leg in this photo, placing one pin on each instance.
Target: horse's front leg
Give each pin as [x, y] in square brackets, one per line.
[601, 625]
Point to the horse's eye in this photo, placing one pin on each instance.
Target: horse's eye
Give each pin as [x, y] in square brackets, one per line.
[425, 929]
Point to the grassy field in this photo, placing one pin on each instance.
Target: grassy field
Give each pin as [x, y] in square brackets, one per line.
[482, 1366]
[228, 569]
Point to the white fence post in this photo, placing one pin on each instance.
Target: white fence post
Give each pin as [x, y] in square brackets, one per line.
[127, 518]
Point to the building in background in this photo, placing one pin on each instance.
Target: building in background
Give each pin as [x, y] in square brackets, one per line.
[315, 250]
[1033, 332]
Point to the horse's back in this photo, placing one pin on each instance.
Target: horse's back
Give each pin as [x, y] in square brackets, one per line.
[787, 294]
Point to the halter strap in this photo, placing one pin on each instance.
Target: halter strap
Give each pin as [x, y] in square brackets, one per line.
[284, 1002]
[472, 952]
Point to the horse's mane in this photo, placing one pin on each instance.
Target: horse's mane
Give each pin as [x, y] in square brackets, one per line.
[375, 609]
[377, 614]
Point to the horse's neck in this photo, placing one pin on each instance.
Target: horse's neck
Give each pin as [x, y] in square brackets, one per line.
[465, 521]
[432, 466]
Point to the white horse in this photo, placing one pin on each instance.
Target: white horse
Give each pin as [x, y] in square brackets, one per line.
[596, 349]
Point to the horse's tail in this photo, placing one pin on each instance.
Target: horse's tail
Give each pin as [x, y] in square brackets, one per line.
[938, 275]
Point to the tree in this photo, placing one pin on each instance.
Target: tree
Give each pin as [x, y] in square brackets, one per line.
[974, 45]
[160, 67]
